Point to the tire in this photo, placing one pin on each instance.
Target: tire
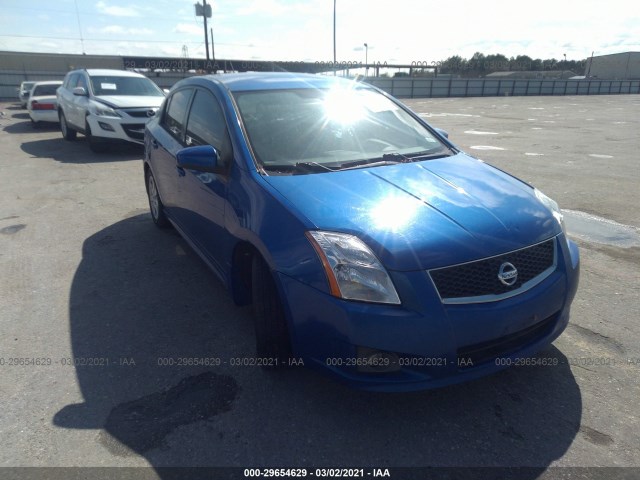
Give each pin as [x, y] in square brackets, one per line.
[272, 333]
[96, 144]
[155, 204]
[68, 133]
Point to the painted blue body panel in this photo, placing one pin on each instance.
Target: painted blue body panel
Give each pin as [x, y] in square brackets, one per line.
[414, 217]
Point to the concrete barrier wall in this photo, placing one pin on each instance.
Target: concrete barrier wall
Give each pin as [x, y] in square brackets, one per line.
[10, 80]
[484, 87]
[399, 87]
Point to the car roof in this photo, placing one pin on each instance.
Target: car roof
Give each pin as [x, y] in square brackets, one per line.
[237, 82]
[111, 73]
[49, 82]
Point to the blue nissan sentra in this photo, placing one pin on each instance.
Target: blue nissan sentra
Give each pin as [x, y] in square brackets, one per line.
[369, 245]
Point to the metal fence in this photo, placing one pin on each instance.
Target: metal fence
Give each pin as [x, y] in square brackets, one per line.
[402, 87]
[485, 87]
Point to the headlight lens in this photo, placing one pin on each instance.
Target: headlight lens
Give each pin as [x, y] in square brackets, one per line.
[103, 111]
[553, 206]
[353, 271]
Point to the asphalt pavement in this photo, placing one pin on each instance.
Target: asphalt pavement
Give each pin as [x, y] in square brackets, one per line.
[102, 316]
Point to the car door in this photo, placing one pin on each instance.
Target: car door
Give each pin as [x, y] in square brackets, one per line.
[202, 195]
[80, 103]
[66, 97]
[167, 138]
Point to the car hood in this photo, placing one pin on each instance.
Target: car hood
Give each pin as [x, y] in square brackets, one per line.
[426, 214]
[129, 101]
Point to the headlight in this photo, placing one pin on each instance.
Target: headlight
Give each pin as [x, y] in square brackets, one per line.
[553, 206]
[103, 111]
[353, 271]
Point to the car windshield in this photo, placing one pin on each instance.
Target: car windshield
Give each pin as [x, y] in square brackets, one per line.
[27, 85]
[331, 128]
[118, 85]
[42, 90]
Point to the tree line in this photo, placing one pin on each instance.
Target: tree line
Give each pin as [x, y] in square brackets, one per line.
[480, 64]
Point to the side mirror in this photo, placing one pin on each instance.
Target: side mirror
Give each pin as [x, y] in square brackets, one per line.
[444, 133]
[80, 91]
[203, 158]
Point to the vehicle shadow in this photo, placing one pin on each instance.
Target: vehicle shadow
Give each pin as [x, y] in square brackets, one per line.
[143, 306]
[78, 151]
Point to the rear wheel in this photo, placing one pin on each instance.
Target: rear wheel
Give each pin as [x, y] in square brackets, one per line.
[155, 204]
[68, 133]
[272, 333]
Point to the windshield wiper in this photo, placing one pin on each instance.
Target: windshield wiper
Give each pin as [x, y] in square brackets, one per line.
[412, 157]
[392, 159]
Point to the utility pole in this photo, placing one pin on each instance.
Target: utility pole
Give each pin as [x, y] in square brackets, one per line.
[590, 62]
[204, 10]
[366, 59]
[206, 39]
[213, 50]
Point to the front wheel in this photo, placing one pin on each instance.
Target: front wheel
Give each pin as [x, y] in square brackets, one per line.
[96, 144]
[272, 333]
[155, 204]
[67, 132]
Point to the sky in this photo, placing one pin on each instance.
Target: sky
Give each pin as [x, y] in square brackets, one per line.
[399, 31]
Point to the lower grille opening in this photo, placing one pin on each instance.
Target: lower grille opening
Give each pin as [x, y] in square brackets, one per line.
[479, 353]
[134, 130]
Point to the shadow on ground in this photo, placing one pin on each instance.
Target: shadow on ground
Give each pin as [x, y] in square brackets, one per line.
[78, 150]
[142, 305]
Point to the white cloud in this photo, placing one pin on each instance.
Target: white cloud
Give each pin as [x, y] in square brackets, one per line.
[116, 11]
[120, 30]
[189, 28]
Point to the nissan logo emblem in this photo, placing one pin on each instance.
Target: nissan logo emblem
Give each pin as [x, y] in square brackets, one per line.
[508, 274]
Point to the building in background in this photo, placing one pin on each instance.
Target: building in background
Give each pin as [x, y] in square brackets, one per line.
[617, 66]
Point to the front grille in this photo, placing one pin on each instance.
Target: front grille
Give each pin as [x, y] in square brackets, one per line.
[478, 281]
[138, 113]
[474, 355]
[134, 130]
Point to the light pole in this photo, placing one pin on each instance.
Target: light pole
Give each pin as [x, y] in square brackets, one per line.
[334, 38]
[366, 60]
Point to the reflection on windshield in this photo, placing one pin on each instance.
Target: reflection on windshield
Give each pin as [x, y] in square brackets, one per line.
[329, 127]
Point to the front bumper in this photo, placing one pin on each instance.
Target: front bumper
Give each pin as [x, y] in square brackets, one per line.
[435, 344]
[128, 129]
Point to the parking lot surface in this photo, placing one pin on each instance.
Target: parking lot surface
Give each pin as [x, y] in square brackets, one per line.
[111, 328]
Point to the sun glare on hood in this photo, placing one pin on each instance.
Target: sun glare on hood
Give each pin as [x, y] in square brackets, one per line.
[394, 213]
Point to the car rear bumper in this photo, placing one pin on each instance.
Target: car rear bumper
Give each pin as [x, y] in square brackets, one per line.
[44, 115]
[432, 344]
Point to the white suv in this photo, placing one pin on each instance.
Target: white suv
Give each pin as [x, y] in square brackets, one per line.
[106, 105]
